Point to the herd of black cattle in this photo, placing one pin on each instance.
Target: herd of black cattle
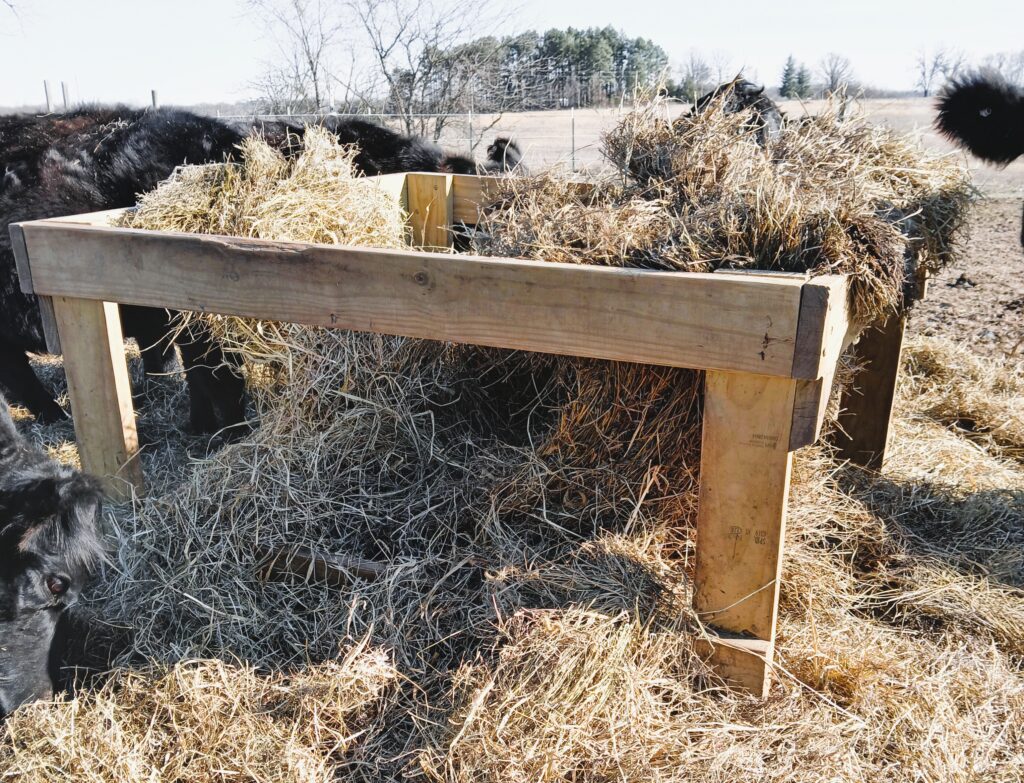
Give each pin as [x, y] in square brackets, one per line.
[96, 159]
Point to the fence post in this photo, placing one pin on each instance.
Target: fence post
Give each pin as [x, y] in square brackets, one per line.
[64, 92]
[572, 119]
[156, 103]
[49, 98]
[470, 131]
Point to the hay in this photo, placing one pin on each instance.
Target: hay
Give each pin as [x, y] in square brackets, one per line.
[828, 196]
[534, 518]
[200, 721]
[981, 397]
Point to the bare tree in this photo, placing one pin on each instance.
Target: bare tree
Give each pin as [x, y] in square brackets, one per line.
[720, 63]
[427, 59]
[941, 64]
[836, 73]
[697, 76]
[300, 76]
[1009, 65]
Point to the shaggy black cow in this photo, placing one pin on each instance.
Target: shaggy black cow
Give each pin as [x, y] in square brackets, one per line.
[503, 155]
[984, 114]
[741, 95]
[49, 540]
[95, 159]
[385, 151]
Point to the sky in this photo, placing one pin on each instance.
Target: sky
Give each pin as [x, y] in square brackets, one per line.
[205, 51]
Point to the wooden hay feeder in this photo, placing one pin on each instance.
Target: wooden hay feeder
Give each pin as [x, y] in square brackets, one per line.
[769, 343]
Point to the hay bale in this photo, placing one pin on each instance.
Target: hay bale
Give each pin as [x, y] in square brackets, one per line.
[828, 196]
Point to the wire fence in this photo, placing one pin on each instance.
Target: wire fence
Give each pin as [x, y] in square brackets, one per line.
[569, 137]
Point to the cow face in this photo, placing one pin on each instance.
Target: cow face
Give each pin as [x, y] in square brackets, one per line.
[985, 115]
[49, 538]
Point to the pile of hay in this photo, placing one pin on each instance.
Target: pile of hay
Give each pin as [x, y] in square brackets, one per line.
[532, 519]
[828, 195]
[199, 721]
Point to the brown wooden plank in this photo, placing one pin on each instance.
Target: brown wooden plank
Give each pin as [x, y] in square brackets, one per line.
[20, 251]
[106, 217]
[21, 261]
[867, 404]
[49, 319]
[738, 662]
[472, 192]
[429, 199]
[469, 194]
[666, 318]
[741, 517]
[825, 326]
[101, 398]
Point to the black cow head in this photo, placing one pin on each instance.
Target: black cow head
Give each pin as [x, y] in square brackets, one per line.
[49, 539]
[985, 115]
[740, 95]
[503, 154]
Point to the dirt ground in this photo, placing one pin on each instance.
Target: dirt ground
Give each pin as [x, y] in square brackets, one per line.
[980, 298]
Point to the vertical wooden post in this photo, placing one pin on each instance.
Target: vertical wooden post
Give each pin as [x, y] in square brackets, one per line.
[741, 520]
[867, 403]
[49, 97]
[101, 397]
[431, 203]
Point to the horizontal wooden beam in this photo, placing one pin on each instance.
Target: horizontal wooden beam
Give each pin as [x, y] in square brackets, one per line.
[469, 194]
[665, 318]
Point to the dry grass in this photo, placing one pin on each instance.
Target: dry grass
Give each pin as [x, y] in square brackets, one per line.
[200, 721]
[983, 398]
[827, 196]
[534, 520]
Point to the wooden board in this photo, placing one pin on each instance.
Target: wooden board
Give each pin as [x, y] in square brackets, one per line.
[665, 318]
[429, 201]
[469, 193]
[46, 316]
[825, 326]
[741, 516]
[866, 406]
[101, 397]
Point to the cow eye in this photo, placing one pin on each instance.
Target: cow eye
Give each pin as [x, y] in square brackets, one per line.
[986, 112]
[58, 585]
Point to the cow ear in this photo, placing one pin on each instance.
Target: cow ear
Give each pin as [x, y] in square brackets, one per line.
[29, 501]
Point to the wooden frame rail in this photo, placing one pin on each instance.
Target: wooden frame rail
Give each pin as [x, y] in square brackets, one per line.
[769, 342]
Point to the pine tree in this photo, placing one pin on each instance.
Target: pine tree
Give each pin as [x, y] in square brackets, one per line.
[803, 83]
[788, 88]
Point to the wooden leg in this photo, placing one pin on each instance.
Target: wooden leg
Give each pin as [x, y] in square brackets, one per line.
[866, 407]
[430, 202]
[101, 399]
[741, 520]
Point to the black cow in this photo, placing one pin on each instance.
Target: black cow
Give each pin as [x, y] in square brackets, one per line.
[503, 155]
[89, 160]
[741, 95]
[101, 158]
[49, 540]
[382, 150]
[984, 114]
